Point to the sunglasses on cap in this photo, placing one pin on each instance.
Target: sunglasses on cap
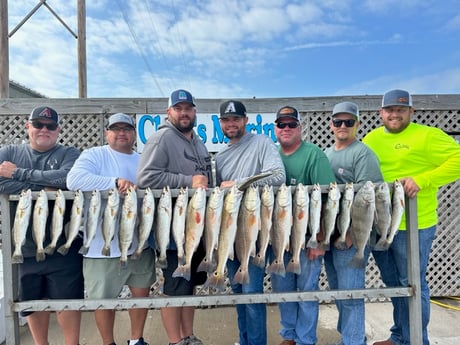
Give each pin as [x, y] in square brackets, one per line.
[287, 124]
[348, 123]
[40, 125]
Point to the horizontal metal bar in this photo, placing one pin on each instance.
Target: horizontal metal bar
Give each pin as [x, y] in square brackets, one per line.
[208, 300]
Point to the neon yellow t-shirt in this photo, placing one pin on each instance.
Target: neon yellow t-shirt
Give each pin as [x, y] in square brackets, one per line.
[427, 154]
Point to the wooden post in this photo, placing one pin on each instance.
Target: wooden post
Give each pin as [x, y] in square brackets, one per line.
[4, 51]
[82, 80]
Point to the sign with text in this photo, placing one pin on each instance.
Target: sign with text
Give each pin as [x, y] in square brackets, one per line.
[207, 127]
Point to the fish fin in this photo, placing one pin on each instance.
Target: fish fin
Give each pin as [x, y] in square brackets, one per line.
[106, 251]
[40, 256]
[136, 255]
[123, 263]
[50, 249]
[162, 262]
[325, 245]
[382, 244]
[17, 259]
[183, 272]
[341, 244]
[63, 250]
[293, 267]
[259, 260]
[216, 280]
[205, 266]
[241, 276]
[312, 242]
[277, 267]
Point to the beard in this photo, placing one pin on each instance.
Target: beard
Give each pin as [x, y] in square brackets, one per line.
[183, 128]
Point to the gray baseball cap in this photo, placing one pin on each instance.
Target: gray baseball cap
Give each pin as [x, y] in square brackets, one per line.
[346, 107]
[396, 97]
[120, 118]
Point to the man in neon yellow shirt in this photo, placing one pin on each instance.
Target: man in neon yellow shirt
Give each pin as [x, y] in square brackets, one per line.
[423, 158]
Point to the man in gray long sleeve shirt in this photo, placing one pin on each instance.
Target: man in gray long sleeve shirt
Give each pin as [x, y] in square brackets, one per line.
[246, 155]
[43, 164]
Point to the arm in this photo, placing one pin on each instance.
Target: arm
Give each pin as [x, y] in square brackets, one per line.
[270, 160]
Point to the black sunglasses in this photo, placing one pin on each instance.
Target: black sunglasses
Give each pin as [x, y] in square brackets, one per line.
[287, 124]
[40, 125]
[348, 123]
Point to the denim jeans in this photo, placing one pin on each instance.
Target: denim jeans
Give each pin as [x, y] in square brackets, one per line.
[393, 269]
[351, 322]
[299, 320]
[252, 318]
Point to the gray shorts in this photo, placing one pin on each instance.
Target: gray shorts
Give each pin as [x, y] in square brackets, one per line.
[105, 279]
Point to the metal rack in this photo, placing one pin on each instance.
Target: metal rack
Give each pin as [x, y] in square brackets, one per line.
[12, 307]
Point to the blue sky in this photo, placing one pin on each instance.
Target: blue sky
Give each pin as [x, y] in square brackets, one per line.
[240, 48]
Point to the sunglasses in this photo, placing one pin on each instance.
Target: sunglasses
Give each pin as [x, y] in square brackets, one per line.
[40, 125]
[287, 124]
[348, 123]
[121, 129]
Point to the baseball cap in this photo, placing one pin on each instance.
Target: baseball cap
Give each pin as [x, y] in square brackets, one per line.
[287, 112]
[232, 108]
[346, 107]
[179, 96]
[396, 97]
[44, 112]
[120, 118]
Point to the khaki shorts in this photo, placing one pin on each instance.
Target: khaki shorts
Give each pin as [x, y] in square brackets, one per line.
[105, 279]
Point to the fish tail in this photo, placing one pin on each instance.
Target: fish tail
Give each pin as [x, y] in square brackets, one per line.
[123, 262]
[182, 271]
[312, 242]
[162, 262]
[181, 259]
[50, 249]
[40, 256]
[205, 266]
[216, 280]
[63, 250]
[259, 260]
[17, 259]
[83, 250]
[358, 261]
[136, 255]
[277, 267]
[105, 251]
[241, 276]
[341, 244]
[382, 244]
[293, 266]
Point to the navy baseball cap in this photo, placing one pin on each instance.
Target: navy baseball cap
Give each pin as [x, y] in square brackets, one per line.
[396, 97]
[232, 108]
[180, 96]
[44, 112]
[346, 107]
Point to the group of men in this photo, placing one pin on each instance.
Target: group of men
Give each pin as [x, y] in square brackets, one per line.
[421, 157]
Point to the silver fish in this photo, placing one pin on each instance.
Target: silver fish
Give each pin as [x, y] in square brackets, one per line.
[92, 221]
[212, 229]
[250, 180]
[362, 219]
[110, 220]
[398, 206]
[344, 217]
[57, 222]
[246, 233]
[331, 209]
[127, 224]
[76, 218]
[383, 215]
[299, 229]
[194, 228]
[178, 223]
[281, 229]
[163, 224]
[21, 223]
[39, 224]
[146, 221]
[227, 236]
[314, 221]
[266, 214]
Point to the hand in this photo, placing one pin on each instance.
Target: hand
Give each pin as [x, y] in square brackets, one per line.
[410, 187]
[199, 181]
[227, 184]
[315, 253]
[7, 169]
[123, 185]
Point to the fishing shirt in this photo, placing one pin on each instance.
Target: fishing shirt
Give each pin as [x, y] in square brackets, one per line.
[253, 154]
[355, 163]
[427, 154]
[37, 170]
[97, 168]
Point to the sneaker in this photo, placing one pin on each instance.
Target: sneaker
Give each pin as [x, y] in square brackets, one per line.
[182, 342]
[192, 340]
[287, 342]
[140, 342]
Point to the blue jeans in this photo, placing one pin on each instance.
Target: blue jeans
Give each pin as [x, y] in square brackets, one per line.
[252, 318]
[393, 269]
[351, 322]
[299, 320]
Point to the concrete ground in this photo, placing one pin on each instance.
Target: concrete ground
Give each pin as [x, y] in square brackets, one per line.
[217, 326]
